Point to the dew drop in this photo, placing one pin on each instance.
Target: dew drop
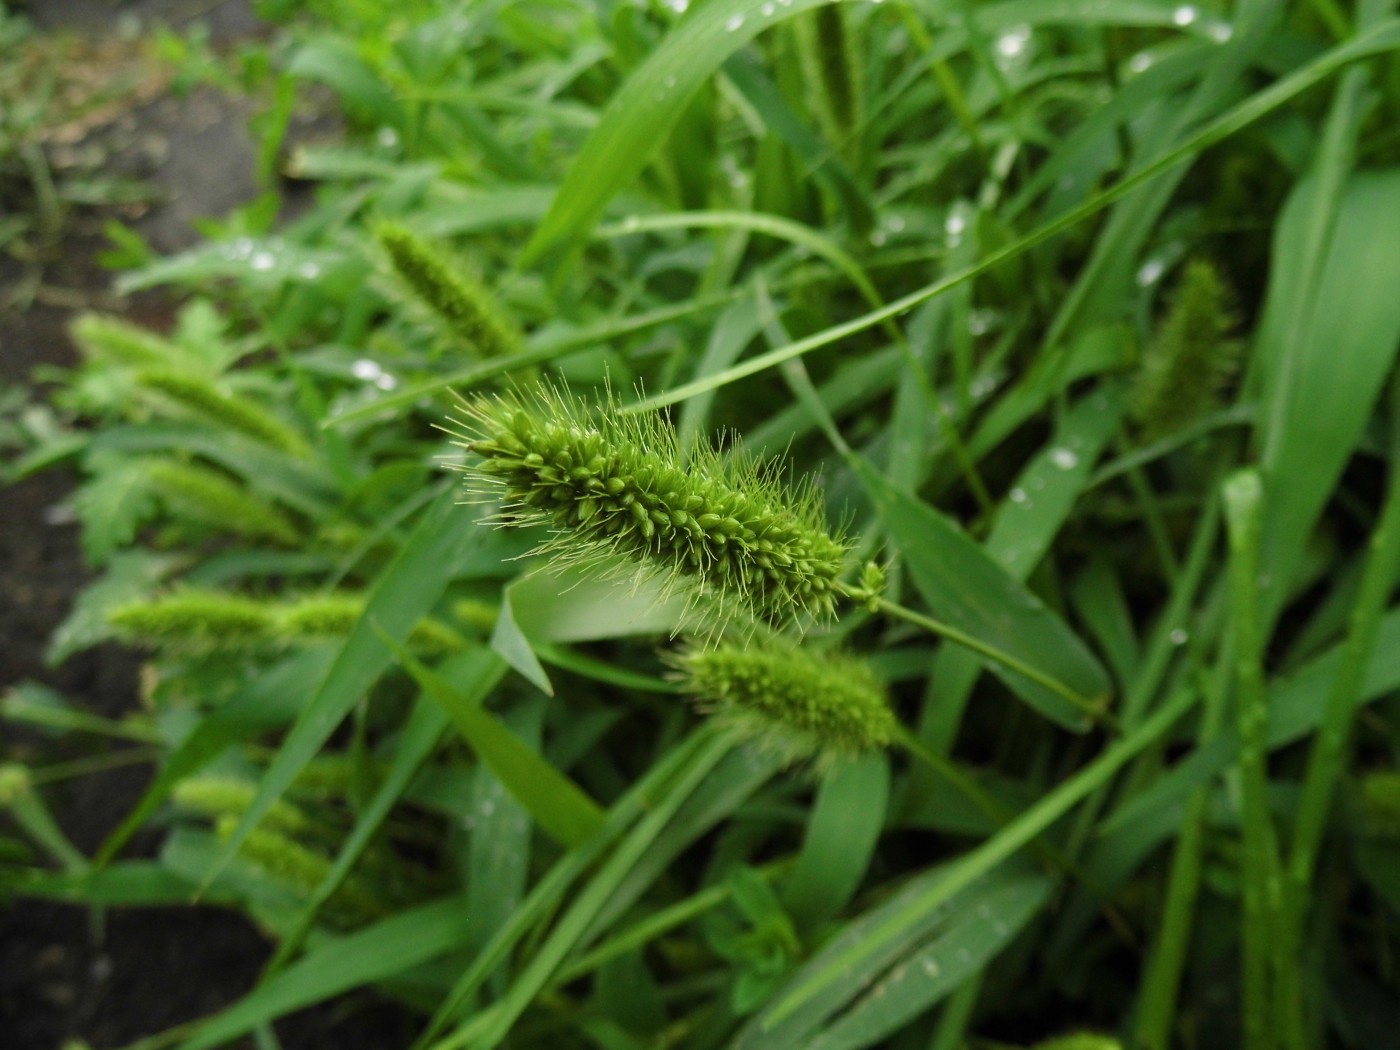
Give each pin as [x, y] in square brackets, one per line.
[678, 6]
[1064, 458]
[982, 386]
[1178, 637]
[386, 381]
[1151, 272]
[367, 370]
[1018, 495]
[767, 10]
[1220, 32]
[262, 261]
[1185, 15]
[735, 23]
[930, 967]
[388, 138]
[1141, 62]
[310, 269]
[1012, 45]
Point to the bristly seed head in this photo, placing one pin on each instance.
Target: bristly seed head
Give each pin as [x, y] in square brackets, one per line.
[613, 485]
[791, 700]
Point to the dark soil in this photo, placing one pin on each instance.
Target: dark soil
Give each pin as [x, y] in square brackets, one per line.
[66, 974]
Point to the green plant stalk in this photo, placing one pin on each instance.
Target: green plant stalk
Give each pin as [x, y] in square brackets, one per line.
[1162, 981]
[977, 863]
[1090, 707]
[15, 709]
[1329, 748]
[993, 810]
[34, 818]
[957, 1015]
[1244, 503]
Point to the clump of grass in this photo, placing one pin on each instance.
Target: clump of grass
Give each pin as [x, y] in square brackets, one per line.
[619, 485]
[792, 701]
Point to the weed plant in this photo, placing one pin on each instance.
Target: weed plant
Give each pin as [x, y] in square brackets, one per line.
[1080, 731]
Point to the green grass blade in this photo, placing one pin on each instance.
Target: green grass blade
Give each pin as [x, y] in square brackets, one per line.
[1335, 364]
[1243, 497]
[383, 950]
[842, 831]
[562, 809]
[965, 587]
[647, 106]
[986, 920]
[975, 865]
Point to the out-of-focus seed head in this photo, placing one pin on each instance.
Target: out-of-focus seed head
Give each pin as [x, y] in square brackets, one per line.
[798, 703]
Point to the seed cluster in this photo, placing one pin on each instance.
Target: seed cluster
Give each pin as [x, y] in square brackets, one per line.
[792, 700]
[618, 485]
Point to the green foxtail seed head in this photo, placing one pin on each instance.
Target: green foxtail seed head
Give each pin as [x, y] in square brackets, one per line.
[217, 796]
[14, 782]
[618, 485]
[790, 700]
[1190, 358]
[465, 307]
[199, 620]
[109, 339]
[210, 497]
[202, 398]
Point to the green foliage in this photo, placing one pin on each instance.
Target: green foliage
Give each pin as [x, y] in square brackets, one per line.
[1101, 774]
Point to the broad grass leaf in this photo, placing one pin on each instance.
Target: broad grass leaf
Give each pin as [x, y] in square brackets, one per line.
[511, 644]
[966, 587]
[336, 62]
[1326, 349]
[985, 921]
[936, 935]
[113, 504]
[842, 831]
[559, 806]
